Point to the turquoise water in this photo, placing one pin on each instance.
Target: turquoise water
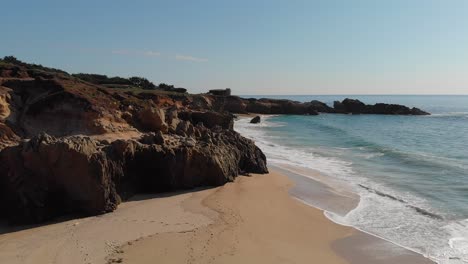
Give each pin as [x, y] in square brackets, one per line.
[411, 172]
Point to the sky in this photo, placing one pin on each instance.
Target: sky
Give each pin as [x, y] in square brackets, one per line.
[251, 46]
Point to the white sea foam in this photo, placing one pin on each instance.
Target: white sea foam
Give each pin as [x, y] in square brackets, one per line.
[382, 211]
[280, 154]
[450, 114]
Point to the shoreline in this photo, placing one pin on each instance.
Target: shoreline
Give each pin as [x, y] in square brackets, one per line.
[252, 218]
[348, 245]
[335, 196]
[354, 246]
[361, 239]
[257, 222]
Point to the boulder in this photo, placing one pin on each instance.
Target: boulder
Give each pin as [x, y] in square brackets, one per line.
[354, 106]
[209, 119]
[153, 119]
[320, 107]
[46, 177]
[172, 118]
[255, 120]
[4, 103]
[7, 136]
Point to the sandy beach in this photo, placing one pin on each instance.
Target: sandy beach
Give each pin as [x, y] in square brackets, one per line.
[258, 223]
[252, 220]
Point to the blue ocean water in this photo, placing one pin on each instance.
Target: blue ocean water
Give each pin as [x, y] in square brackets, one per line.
[411, 172]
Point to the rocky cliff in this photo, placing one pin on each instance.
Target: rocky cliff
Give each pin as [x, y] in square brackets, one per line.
[68, 146]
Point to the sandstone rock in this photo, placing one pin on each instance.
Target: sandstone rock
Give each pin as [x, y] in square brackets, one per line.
[209, 119]
[49, 176]
[7, 136]
[4, 103]
[233, 104]
[42, 105]
[153, 119]
[172, 119]
[46, 177]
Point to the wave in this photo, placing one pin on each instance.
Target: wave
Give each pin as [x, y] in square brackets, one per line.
[417, 209]
[459, 238]
[367, 149]
[449, 114]
[281, 154]
[400, 217]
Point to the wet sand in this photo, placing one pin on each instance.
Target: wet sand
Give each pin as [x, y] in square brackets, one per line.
[252, 220]
[258, 222]
[316, 190]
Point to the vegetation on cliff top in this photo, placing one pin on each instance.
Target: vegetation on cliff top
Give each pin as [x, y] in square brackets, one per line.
[34, 70]
[11, 61]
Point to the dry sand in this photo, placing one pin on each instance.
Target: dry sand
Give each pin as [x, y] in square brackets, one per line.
[258, 223]
[252, 220]
[92, 239]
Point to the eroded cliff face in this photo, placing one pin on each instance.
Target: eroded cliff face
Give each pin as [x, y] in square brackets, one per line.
[50, 176]
[7, 136]
[72, 147]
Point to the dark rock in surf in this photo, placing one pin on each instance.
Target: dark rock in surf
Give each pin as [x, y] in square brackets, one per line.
[320, 107]
[353, 106]
[255, 120]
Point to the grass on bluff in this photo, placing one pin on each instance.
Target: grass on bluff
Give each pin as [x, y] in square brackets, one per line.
[136, 85]
[139, 90]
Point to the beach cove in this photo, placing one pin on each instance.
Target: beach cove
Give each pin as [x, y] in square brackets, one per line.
[252, 220]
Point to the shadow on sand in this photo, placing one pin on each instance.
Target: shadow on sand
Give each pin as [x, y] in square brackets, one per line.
[6, 228]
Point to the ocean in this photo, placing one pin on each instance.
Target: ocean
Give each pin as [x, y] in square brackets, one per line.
[410, 172]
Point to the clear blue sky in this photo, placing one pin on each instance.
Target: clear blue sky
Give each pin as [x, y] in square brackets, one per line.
[254, 47]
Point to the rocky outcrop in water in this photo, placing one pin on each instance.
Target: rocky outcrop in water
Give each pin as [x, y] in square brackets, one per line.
[239, 105]
[255, 120]
[235, 104]
[352, 106]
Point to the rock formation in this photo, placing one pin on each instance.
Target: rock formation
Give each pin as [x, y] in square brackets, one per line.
[48, 176]
[238, 105]
[255, 120]
[68, 146]
[352, 106]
